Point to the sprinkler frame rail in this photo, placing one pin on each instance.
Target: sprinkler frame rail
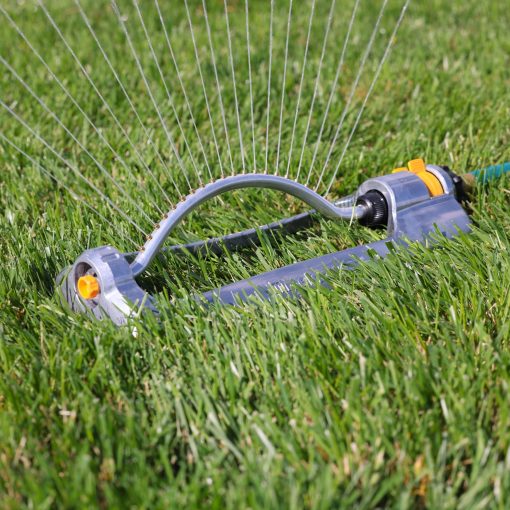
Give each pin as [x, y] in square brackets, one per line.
[418, 203]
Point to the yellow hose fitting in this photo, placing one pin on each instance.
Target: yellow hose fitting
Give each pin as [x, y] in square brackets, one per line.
[88, 286]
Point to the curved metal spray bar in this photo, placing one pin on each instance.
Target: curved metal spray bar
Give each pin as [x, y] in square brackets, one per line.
[343, 209]
[249, 237]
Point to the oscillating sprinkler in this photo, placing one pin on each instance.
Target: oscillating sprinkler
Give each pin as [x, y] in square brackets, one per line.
[413, 203]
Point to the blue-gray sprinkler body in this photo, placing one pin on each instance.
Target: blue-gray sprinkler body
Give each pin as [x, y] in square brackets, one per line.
[401, 201]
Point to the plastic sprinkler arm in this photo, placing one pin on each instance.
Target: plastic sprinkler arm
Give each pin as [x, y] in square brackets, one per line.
[213, 189]
[252, 236]
[293, 224]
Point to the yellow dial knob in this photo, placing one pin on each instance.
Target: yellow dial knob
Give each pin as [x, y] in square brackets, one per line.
[88, 287]
[418, 167]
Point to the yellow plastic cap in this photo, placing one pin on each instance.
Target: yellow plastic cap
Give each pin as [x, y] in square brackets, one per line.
[416, 165]
[88, 286]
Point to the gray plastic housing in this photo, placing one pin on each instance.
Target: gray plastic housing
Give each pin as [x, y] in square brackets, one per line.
[414, 216]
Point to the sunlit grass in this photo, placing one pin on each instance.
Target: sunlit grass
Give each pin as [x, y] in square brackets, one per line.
[390, 389]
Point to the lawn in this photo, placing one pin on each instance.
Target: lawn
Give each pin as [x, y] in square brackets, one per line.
[389, 389]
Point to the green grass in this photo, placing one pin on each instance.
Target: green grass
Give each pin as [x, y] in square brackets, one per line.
[391, 389]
